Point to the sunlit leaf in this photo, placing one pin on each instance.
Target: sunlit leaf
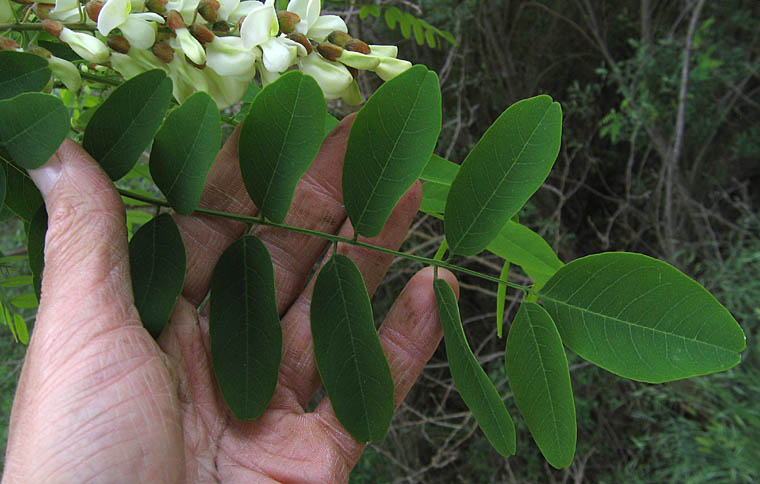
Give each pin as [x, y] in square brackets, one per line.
[476, 389]
[439, 170]
[521, 246]
[390, 143]
[540, 380]
[184, 149]
[22, 72]
[244, 327]
[279, 140]
[32, 127]
[16, 281]
[157, 263]
[509, 163]
[349, 357]
[27, 300]
[22, 332]
[641, 318]
[124, 125]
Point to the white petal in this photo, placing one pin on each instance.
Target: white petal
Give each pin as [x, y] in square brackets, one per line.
[256, 28]
[86, 46]
[225, 91]
[384, 50]
[353, 95]
[332, 77]
[278, 56]
[186, 79]
[190, 46]
[227, 57]
[390, 68]
[359, 60]
[147, 60]
[141, 34]
[226, 7]
[243, 10]
[149, 16]
[324, 26]
[66, 72]
[60, 5]
[186, 9]
[126, 65]
[65, 16]
[113, 14]
[312, 12]
[268, 77]
[298, 7]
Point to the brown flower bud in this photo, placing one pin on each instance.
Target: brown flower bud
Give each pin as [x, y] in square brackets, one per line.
[329, 51]
[208, 9]
[220, 27]
[287, 21]
[42, 10]
[338, 38]
[41, 51]
[163, 51]
[301, 39]
[118, 43]
[202, 33]
[356, 45]
[174, 20]
[53, 27]
[156, 6]
[6, 43]
[93, 9]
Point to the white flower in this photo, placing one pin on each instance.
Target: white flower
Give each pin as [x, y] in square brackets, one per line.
[113, 14]
[66, 16]
[312, 25]
[388, 66]
[66, 72]
[233, 10]
[186, 9]
[189, 45]
[260, 29]
[85, 45]
[332, 77]
[186, 79]
[228, 57]
[136, 62]
[6, 12]
[65, 6]
[140, 29]
[225, 90]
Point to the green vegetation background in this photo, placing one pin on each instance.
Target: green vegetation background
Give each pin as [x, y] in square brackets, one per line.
[649, 164]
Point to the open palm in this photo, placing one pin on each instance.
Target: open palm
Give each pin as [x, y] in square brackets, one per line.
[100, 401]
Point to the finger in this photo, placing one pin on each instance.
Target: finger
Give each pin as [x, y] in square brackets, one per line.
[317, 204]
[298, 372]
[86, 261]
[409, 335]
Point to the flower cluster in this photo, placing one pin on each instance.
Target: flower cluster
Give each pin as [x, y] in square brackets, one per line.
[218, 46]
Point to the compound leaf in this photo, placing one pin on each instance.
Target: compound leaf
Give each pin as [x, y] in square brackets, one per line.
[244, 327]
[157, 263]
[641, 318]
[390, 143]
[540, 380]
[184, 149]
[280, 138]
[349, 356]
[124, 125]
[476, 389]
[32, 127]
[22, 72]
[509, 163]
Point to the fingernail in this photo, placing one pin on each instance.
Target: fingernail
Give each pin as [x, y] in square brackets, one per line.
[46, 175]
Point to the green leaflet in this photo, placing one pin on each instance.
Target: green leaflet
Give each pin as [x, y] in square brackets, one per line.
[3, 186]
[157, 263]
[280, 138]
[184, 149]
[330, 123]
[509, 163]
[390, 143]
[434, 198]
[641, 318]
[22, 72]
[35, 247]
[501, 298]
[520, 245]
[476, 389]
[32, 127]
[21, 196]
[124, 125]
[244, 327]
[540, 380]
[349, 356]
[439, 170]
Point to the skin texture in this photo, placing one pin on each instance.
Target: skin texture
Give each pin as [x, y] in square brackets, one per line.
[100, 401]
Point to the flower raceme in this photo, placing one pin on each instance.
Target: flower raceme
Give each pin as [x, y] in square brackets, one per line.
[218, 46]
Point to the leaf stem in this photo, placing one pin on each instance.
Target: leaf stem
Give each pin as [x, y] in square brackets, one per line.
[330, 237]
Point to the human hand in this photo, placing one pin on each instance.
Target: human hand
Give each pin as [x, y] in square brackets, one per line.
[100, 401]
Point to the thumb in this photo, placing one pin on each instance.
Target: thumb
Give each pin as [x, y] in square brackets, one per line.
[86, 258]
